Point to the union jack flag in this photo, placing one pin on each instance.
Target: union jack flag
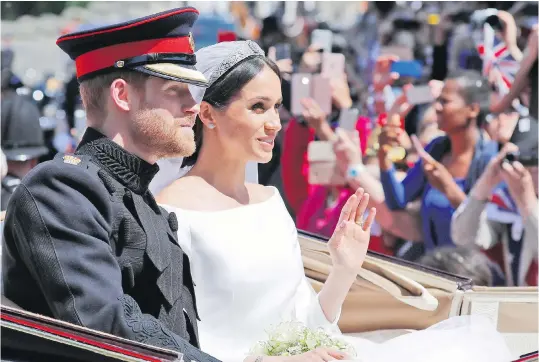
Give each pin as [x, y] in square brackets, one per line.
[499, 65]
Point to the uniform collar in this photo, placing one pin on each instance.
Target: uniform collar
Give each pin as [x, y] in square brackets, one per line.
[130, 170]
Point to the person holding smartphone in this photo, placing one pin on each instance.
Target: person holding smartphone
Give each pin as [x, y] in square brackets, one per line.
[449, 165]
[502, 209]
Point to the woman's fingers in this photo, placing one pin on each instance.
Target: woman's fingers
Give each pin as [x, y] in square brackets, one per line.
[370, 219]
[360, 212]
[347, 209]
[520, 170]
[359, 196]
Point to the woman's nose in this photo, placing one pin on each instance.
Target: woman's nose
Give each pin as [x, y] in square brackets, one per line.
[273, 125]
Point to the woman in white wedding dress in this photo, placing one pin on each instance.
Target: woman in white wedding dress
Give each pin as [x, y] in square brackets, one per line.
[242, 243]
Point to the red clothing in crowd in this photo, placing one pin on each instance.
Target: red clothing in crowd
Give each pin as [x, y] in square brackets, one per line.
[309, 202]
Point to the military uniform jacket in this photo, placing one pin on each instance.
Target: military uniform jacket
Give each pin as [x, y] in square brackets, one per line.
[85, 242]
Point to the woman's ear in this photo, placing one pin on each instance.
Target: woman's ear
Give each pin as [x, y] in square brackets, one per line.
[206, 115]
[474, 110]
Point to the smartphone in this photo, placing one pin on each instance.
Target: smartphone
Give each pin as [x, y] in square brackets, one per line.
[321, 92]
[407, 68]
[300, 88]
[404, 53]
[283, 51]
[333, 65]
[322, 39]
[226, 35]
[323, 168]
[526, 159]
[348, 119]
[419, 95]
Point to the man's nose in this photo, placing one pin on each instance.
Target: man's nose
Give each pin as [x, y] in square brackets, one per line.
[192, 107]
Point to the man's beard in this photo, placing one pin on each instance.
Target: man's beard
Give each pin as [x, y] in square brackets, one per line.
[161, 135]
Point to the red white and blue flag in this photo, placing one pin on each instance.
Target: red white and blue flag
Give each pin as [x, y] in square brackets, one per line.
[498, 63]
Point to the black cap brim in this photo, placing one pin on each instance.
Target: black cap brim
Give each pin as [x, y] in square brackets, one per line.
[25, 154]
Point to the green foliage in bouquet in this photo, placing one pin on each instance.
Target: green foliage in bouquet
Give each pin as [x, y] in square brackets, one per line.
[293, 338]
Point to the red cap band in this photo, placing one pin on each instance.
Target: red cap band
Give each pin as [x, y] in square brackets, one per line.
[106, 57]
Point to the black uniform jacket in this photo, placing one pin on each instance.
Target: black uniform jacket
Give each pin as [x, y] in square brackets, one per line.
[85, 242]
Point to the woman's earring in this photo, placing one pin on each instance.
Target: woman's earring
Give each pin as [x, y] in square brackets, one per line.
[211, 125]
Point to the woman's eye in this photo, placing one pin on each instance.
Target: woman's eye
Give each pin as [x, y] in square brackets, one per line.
[258, 108]
[278, 105]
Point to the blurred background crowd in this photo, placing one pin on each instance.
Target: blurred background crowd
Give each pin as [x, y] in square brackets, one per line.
[431, 107]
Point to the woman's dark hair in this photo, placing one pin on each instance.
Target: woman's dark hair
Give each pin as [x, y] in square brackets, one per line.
[475, 89]
[221, 92]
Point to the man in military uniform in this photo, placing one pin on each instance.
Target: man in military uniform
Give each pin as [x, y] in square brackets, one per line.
[84, 239]
[22, 139]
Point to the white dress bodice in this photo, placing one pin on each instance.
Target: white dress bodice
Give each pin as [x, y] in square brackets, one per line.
[248, 274]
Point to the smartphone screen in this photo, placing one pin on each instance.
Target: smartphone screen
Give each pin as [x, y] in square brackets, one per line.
[322, 39]
[321, 92]
[419, 95]
[300, 88]
[333, 65]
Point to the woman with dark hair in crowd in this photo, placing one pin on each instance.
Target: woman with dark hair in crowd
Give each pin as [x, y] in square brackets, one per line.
[451, 163]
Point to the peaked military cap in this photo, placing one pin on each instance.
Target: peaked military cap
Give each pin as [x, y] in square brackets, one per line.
[160, 45]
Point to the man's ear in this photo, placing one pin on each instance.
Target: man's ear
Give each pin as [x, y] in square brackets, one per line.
[120, 94]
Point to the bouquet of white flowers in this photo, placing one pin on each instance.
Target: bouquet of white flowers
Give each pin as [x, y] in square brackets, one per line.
[293, 338]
